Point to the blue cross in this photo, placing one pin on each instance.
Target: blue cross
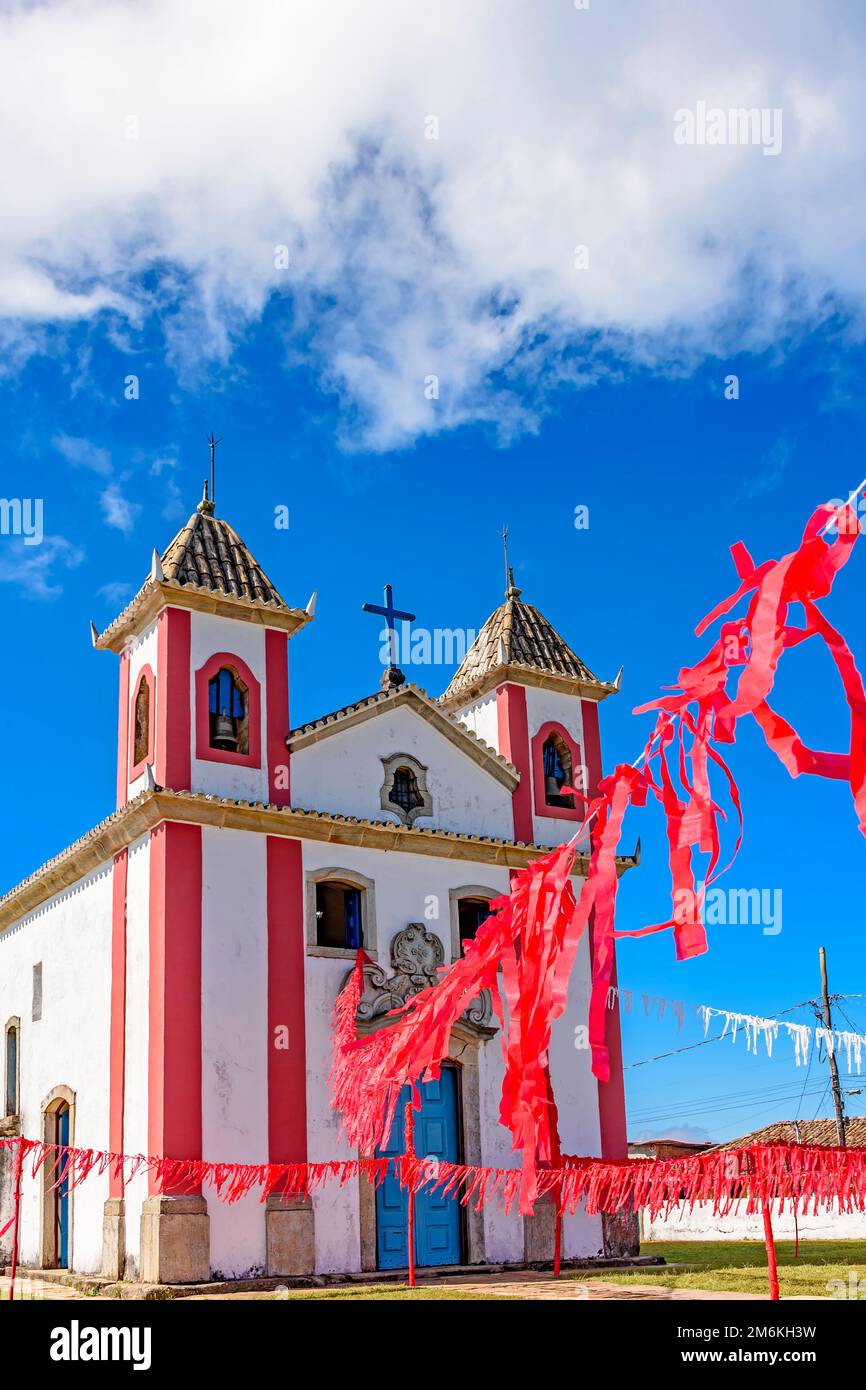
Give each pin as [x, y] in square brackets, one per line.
[389, 612]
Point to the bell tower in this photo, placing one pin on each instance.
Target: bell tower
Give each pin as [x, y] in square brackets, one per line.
[524, 691]
[204, 693]
[203, 708]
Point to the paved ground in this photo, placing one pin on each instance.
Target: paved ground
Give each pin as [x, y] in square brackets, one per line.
[532, 1285]
[38, 1289]
[528, 1285]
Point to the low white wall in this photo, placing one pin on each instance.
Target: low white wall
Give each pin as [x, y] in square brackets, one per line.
[700, 1223]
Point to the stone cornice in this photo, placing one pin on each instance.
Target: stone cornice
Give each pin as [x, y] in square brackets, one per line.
[149, 808]
[155, 595]
[473, 689]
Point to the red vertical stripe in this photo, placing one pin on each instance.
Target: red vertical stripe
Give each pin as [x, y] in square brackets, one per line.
[174, 1127]
[123, 731]
[287, 1066]
[591, 745]
[117, 1026]
[611, 1094]
[514, 745]
[277, 697]
[173, 723]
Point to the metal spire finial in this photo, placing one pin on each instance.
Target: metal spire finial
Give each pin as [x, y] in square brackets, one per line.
[505, 558]
[511, 589]
[213, 443]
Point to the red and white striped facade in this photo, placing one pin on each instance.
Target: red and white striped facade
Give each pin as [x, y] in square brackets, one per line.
[171, 966]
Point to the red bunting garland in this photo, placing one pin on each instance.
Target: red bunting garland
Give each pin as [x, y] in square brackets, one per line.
[533, 933]
[812, 1175]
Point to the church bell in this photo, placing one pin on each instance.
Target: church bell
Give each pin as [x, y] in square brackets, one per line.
[224, 733]
[551, 786]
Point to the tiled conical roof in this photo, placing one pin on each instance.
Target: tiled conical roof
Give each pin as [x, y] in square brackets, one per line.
[208, 568]
[517, 642]
[210, 553]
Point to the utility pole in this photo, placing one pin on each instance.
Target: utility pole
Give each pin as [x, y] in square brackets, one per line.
[831, 1052]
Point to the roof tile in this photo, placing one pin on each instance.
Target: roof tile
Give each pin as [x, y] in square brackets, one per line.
[209, 553]
[518, 635]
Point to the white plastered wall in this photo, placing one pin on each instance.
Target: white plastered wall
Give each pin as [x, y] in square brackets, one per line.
[344, 774]
[404, 885]
[69, 1046]
[235, 1036]
[482, 718]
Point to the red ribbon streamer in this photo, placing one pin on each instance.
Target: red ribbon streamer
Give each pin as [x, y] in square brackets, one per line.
[532, 935]
[810, 1176]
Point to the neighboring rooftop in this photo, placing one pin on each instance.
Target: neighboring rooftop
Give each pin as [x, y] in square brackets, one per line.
[664, 1148]
[809, 1132]
[517, 642]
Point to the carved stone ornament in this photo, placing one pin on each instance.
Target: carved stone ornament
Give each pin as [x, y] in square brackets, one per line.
[417, 956]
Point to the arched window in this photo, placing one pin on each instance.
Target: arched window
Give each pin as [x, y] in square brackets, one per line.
[471, 912]
[228, 708]
[556, 762]
[469, 907]
[11, 1058]
[339, 915]
[404, 790]
[142, 723]
[141, 736]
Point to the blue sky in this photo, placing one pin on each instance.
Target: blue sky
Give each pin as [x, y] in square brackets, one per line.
[408, 257]
[672, 473]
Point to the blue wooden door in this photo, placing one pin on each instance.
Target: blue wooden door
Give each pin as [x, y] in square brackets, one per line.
[437, 1218]
[61, 1196]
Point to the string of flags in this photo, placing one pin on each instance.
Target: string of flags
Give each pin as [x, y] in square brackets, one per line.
[651, 1002]
[752, 1028]
[802, 1035]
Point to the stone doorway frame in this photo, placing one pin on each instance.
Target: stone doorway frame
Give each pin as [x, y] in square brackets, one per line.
[48, 1253]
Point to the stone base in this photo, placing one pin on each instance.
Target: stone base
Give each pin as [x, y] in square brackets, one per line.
[175, 1240]
[114, 1238]
[290, 1236]
[621, 1234]
[539, 1233]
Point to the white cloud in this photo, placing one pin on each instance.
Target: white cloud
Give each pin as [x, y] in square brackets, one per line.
[197, 138]
[35, 569]
[81, 453]
[116, 592]
[686, 1134]
[117, 510]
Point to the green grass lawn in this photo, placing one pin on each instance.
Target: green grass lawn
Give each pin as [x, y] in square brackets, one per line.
[741, 1266]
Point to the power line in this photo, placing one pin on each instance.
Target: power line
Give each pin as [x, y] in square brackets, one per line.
[782, 1092]
[821, 1101]
[717, 1109]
